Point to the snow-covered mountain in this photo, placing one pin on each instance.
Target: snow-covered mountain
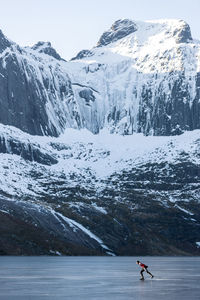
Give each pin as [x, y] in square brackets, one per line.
[147, 76]
[141, 77]
[101, 154]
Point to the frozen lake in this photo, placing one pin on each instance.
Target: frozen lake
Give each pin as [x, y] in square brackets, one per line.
[91, 278]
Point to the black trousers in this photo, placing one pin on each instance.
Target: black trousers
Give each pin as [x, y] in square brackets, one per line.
[145, 270]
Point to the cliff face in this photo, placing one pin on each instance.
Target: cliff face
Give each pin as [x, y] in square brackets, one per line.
[141, 77]
[147, 74]
[35, 92]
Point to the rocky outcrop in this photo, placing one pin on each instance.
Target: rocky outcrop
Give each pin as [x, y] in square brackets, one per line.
[88, 95]
[28, 151]
[183, 34]
[4, 42]
[82, 54]
[119, 30]
[45, 47]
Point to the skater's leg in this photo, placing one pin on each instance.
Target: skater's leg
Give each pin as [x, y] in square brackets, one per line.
[149, 273]
[141, 273]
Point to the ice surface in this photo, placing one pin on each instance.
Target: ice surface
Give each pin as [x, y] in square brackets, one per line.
[93, 278]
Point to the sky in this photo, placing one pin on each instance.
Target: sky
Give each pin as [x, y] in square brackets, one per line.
[74, 25]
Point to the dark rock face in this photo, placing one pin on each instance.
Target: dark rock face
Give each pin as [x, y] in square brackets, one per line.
[31, 230]
[4, 43]
[30, 100]
[82, 54]
[27, 151]
[45, 47]
[20, 104]
[119, 29]
[172, 116]
[184, 34]
[87, 94]
[152, 219]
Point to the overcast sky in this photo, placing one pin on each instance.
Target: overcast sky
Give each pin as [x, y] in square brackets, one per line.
[73, 25]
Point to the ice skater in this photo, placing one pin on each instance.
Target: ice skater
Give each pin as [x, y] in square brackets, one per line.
[144, 269]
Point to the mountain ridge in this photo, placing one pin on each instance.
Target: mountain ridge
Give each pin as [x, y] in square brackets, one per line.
[146, 81]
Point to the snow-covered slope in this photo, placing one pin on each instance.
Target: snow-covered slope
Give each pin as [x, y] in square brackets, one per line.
[82, 186]
[86, 156]
[141, 77]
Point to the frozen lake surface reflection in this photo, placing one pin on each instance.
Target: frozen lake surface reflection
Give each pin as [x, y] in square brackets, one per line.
[91, 278]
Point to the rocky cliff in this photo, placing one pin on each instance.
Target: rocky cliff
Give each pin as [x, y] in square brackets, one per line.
[35, 92]
[141, 77]
[147, 74]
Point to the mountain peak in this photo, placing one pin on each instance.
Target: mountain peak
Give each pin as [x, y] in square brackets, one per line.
[82, 54]
[178, 28]
[183, 32]
[118, 30]
[46, 47]
[4, 42]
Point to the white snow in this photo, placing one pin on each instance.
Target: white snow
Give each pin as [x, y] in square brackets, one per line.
[14, 176]
[198, 244]
[4, 211]
[91, 156]
[55, 252]
[99, 208]
[185, 210]
[122, 150]
[110, 253]
[76, 225]
[79, 205]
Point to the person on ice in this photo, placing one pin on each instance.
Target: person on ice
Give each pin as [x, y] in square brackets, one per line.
[144, 269]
